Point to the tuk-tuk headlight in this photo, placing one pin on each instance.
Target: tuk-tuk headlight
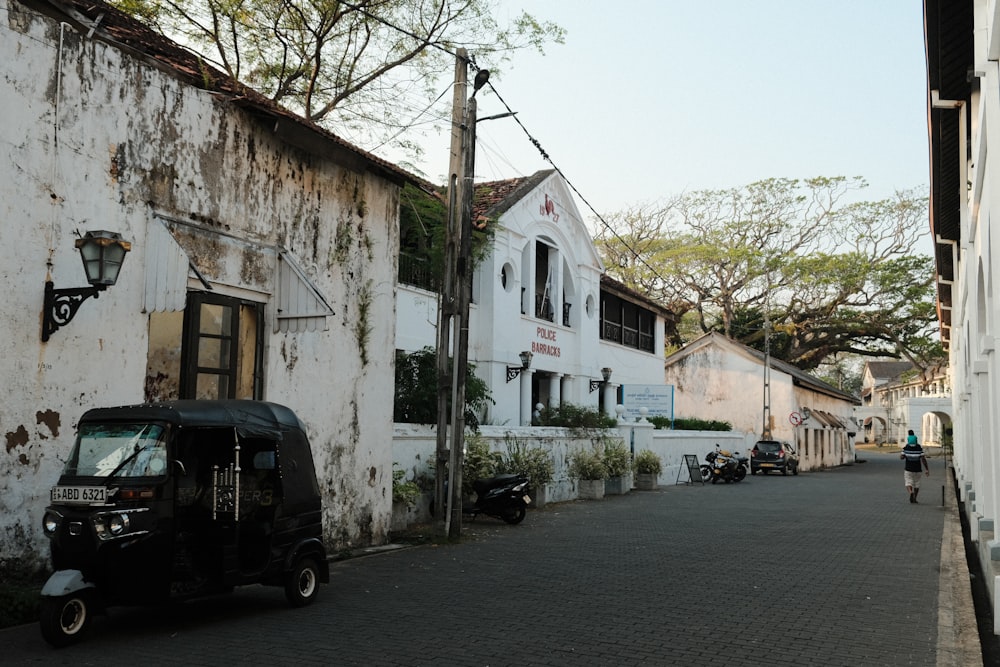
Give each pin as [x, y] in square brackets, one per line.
[118, 524]
[50, 522]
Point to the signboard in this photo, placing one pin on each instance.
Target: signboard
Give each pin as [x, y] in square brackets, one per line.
[693, 468]
[658, 399]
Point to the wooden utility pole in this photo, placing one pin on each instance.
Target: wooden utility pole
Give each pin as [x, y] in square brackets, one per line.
[452, 317]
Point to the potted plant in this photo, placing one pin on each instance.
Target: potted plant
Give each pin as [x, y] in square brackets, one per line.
[405, 494]
[534, 463]
[479, 462]
[618, 460]
[647, 470]
[588, 468]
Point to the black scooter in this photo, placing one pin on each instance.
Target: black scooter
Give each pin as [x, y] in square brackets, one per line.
[504, 497]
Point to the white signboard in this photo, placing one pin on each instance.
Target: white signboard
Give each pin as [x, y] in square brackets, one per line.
[658, 399]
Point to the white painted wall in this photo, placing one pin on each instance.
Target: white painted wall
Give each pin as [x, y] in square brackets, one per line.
[94, 139]
[716, 380]
[414, 446]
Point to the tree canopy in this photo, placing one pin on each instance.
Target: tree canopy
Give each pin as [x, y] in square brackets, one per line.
[826, 276]
[363, 69]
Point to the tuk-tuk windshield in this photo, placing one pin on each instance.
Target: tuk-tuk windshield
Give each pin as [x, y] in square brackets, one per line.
[122, 450]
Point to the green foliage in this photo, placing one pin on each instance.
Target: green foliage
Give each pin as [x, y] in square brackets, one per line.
[832, 277]
[648, 463]
[533, 462]
[575, 416]
[478, 462]
[689, 424]
[404, 491]
[423, 227]
[587, 464]
[617, 458]
[660, 422]
[416, 395]
[695, 424]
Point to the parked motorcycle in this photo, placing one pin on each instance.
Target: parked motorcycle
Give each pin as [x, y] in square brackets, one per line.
[504, 497]
[725, 466]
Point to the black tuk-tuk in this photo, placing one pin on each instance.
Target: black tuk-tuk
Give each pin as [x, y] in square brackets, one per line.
[181, 499]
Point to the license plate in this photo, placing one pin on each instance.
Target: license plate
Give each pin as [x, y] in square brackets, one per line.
[79, 495]
[526, 498]
[766, 465]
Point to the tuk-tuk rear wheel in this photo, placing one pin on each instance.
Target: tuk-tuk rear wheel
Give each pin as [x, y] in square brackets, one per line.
[302, 584]
[64, 620]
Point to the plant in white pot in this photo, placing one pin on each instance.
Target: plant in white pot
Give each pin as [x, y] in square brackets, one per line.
[587, 466]
[618, 460]
[405, 495]
[647, 470]
[534, 463]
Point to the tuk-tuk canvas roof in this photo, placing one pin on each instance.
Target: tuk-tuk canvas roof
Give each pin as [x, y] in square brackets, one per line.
[249, 418]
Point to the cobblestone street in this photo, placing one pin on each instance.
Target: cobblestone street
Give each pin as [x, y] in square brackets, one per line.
[823, 568]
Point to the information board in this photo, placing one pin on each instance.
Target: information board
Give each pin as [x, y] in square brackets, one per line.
[693, 467]
[658, 399]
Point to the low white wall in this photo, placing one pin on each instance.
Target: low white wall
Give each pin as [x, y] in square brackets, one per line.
[413, 448]
[671, 446]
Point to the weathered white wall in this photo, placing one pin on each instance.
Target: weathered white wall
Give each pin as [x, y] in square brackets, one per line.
[93, 139]
[713, 383]
[414, 446]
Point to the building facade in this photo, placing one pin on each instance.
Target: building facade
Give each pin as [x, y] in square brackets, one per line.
[897, 399]
[720, 379]
[261, 263]
[963, 107]
[541, 290]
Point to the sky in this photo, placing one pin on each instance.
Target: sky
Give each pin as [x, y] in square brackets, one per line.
[651, 98]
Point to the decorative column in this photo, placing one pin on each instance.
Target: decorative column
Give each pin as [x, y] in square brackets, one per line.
[526, 396]
[610, 392]
[555, 390]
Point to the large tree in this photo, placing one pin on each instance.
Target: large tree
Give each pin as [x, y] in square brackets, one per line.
[793, 259]
[364, 69]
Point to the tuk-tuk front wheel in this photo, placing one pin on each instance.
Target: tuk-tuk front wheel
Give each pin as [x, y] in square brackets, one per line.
[64, 619]
[302, 584]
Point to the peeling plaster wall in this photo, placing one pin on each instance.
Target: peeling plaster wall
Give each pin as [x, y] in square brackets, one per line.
[93, 139]
[711, 384]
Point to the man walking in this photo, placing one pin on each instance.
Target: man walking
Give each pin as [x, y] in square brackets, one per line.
[913, 454]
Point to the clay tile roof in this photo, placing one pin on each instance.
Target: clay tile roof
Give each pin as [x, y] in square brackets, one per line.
[492, 199]
[885, 370]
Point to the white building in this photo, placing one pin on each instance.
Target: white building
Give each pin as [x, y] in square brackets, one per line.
[896, 399]
[963, 80]
[717, 378]
[262, 261]
[542, 290]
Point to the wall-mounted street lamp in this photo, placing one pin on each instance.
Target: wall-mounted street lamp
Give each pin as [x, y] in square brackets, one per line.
[103, 254]
[514, 371]
[596, 384]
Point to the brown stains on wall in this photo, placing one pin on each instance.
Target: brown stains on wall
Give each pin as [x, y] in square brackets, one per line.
[255, 268]
[51, 419]
[290, 353]
[17, 438]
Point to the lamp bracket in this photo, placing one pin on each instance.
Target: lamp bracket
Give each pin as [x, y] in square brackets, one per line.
[60, 305]
[513, 372]
[595, 385]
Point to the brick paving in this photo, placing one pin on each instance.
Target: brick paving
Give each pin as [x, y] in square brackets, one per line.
[826, 568]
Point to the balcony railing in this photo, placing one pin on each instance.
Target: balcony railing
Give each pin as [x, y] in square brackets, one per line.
[416, 271]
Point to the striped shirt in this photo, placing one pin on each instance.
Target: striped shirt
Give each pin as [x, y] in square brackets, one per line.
[913, 454]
